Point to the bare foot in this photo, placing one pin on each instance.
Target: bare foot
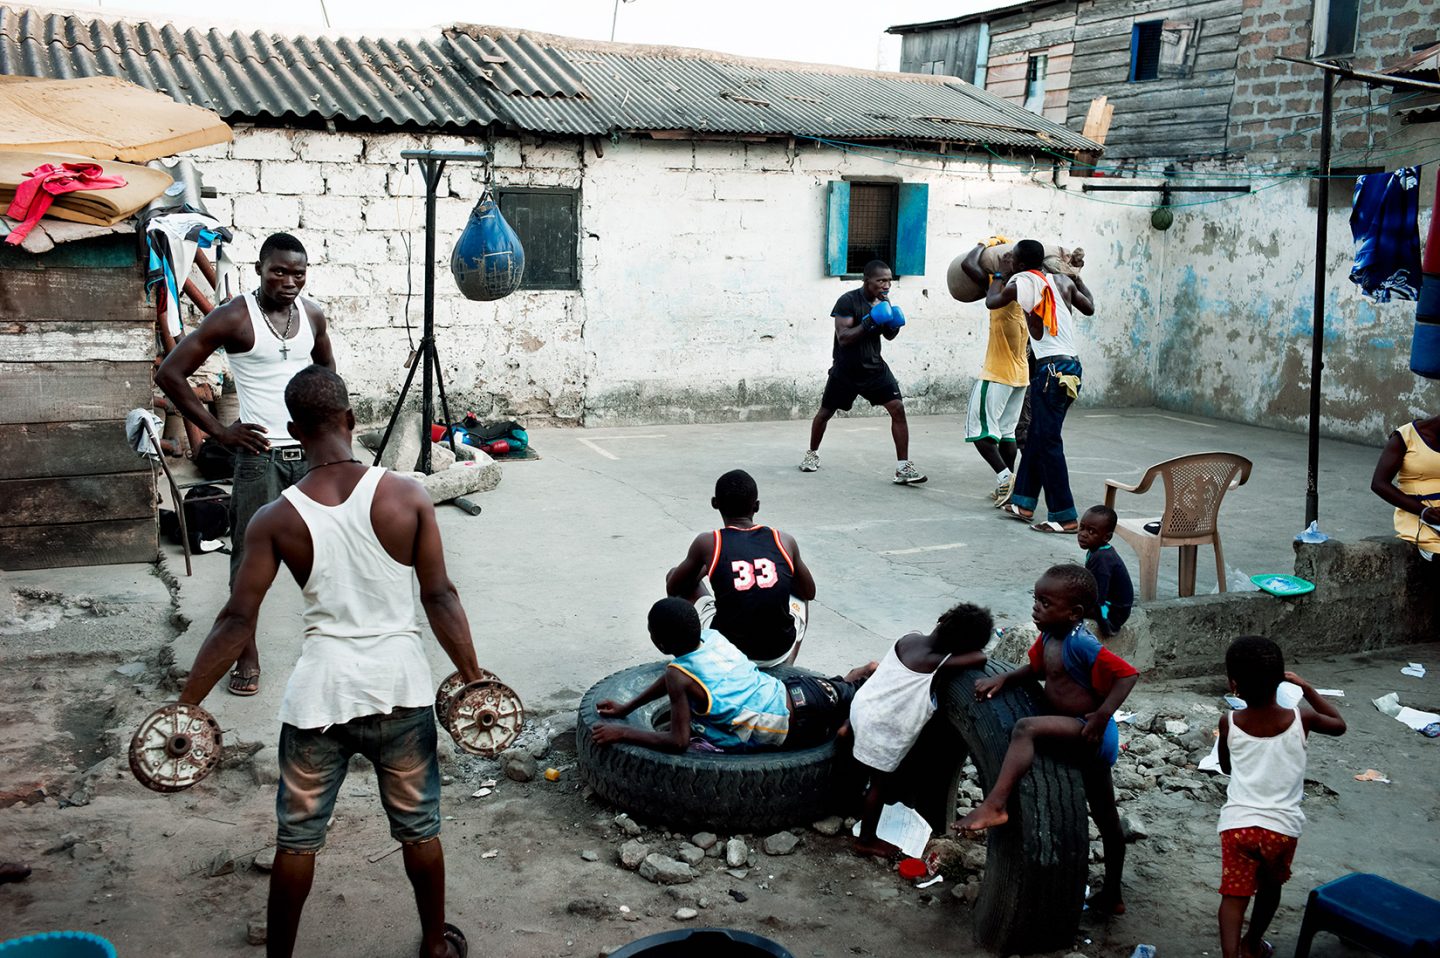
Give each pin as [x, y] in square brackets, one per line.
[982, 818]
[874, 847]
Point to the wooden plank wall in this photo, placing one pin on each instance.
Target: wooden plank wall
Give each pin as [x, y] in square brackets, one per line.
[75, 357]
[1014, 38]
[956, 46]
[1162, 118]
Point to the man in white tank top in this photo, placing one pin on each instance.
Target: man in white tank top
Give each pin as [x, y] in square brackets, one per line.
[269, 336]
[354, 538]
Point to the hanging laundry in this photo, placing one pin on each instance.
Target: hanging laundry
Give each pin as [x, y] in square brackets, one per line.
[174, 239]
[47, 181]
[1385, 225]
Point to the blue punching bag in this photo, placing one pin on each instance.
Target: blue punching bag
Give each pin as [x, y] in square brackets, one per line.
[1425, 347]
[488, 260]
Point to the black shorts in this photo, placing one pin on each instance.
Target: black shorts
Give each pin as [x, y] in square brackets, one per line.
[841, 390]
[818, 707]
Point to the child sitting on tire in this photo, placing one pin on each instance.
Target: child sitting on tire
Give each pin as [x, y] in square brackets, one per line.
[889, 713]
[1084, 684]
[736, 707]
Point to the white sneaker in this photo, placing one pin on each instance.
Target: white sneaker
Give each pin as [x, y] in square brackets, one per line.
[907, 475]
[811, 462]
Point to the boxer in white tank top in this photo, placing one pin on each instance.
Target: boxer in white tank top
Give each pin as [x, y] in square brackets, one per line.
[269, 336]
[355, 539]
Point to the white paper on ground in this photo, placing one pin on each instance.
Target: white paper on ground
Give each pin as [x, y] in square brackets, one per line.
[933, 881]
[905, 828]
[1333, 693]
[1415, 718]
[1415, 669]
[1211, 762]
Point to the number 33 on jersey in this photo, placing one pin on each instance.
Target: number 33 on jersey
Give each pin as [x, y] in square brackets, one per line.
[761, 572]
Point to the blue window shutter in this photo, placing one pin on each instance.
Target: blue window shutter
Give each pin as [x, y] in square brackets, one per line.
[837, 228]
[1134, 51]
[910, 229]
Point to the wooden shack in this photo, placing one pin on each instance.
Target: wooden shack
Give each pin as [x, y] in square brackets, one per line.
[76, 355]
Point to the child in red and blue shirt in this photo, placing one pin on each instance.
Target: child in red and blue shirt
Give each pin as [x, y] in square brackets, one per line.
[1084, 685]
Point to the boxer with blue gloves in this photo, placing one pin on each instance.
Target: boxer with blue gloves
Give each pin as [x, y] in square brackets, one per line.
[862, 317]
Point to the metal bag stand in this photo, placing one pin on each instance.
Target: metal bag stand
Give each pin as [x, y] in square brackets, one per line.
[432, 167]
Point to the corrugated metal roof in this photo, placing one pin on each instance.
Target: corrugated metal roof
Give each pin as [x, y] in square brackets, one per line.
[255, 75]
[475, 76]
[626, 87]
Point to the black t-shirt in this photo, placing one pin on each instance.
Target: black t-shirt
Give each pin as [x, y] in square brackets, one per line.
[1112, 579]
[750, 573]
[859, 361]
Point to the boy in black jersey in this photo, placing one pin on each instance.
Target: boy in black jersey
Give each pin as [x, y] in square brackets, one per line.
[753, 572]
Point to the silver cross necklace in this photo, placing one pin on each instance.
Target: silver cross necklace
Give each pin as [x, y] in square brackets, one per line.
[289, 324]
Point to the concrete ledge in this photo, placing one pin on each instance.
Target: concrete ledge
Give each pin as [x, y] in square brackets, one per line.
[1369, 594]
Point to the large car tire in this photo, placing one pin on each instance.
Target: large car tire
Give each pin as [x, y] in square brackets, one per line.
[757, 792]
[1036, 864]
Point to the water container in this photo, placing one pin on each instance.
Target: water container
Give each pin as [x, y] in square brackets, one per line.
[1425, 350]
[58, 944]
[489, 260]
[702, 943]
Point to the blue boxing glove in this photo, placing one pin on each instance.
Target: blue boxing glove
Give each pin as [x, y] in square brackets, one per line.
[897, 318]
[882, 314]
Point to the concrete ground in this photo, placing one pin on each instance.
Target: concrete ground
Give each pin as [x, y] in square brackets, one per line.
[571, 549]
[557, 574]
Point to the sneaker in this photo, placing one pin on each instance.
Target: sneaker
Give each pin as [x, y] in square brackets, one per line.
[907, 475]
[811, 462]
[1002, 489]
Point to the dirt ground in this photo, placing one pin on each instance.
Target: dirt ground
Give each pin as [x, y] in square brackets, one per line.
[136, 866]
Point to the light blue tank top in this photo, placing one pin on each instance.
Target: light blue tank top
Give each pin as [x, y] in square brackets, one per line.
[744, 707]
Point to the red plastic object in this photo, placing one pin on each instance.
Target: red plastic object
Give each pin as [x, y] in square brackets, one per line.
[498, 447]
[911, 868]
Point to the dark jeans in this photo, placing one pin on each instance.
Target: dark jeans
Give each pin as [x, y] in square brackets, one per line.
[1043, 464]
[259, 480]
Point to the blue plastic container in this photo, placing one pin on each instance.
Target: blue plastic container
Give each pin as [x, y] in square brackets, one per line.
[703, 943]
[58, 944]
[1425, 350]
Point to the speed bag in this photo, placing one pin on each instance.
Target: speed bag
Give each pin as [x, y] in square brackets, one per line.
[1425, 347]
[488, 261]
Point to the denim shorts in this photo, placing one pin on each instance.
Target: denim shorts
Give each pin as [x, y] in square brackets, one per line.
[313, 763]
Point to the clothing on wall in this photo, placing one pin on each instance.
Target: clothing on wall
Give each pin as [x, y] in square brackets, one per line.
[1385, 225]
[174, 238]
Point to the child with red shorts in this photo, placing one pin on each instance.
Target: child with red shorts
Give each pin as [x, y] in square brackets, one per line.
[1262, 749]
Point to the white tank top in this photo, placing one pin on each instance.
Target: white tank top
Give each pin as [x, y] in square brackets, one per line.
[1267, 780]
[362, 653]
[889, 711]
[264, 370]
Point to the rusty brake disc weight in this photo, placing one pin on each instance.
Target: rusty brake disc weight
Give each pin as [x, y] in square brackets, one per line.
[485, 718]
[175, 746]
[449, 689]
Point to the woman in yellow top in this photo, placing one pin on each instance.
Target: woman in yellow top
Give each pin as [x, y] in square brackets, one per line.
[1408, 477]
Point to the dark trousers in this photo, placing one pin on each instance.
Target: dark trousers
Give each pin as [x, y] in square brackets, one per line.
[259, 480]
[1042, 467]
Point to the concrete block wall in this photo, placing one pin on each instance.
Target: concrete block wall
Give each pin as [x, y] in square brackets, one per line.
[707, 297]
[1276, 105]
[703, 289]
[360, 213]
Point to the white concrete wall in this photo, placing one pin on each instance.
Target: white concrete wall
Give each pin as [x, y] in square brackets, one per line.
[703, 289]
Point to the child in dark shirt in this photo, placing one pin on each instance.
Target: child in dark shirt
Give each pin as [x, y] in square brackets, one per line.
[1112, 579]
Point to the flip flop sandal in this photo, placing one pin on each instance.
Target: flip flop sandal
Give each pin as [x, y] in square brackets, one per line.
[1011, 511]
[1267, 950]
[1050, 527]
[456, 938]
[239, 678]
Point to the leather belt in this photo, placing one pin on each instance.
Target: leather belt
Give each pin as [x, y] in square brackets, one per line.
[281, 454]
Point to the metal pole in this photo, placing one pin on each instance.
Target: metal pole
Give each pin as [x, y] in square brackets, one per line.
[614, 16]
[1317, 340]
[432, 169]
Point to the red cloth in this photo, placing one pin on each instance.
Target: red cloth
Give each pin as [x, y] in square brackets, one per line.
[47, 181]
[1250, 855]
